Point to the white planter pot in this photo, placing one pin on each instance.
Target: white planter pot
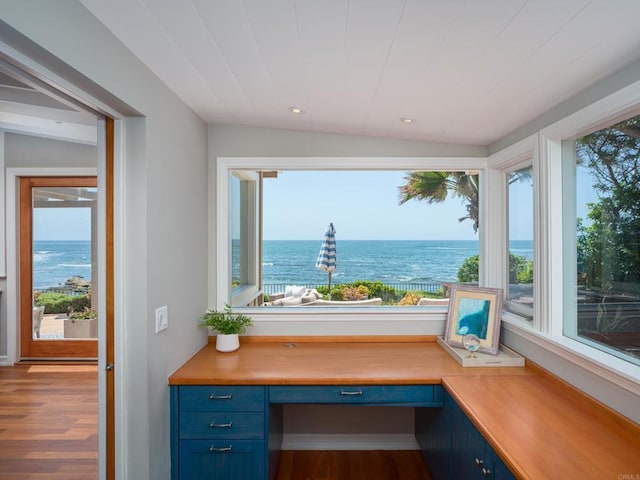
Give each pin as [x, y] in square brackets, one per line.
[227, 343]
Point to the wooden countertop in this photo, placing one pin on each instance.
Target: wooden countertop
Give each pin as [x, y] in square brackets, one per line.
[326, 363]
[541, 427]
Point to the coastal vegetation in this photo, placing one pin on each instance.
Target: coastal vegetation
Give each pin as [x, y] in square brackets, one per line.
[55, 302]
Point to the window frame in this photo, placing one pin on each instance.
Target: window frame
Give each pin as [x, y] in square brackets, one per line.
[519, 155]
[249, 191]
[547, 332]
[343, 321]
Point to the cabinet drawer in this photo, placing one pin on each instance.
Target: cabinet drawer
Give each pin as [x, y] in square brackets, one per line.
[222, 398]
[221, 460]
[417, 395]
[227, 425]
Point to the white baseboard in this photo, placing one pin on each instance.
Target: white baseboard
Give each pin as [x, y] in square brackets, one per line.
[4, 361]
[390, 441]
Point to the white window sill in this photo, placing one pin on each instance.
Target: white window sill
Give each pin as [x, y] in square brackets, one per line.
[300, 320]
[613, 369]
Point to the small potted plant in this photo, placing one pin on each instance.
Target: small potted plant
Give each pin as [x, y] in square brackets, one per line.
[228, 325]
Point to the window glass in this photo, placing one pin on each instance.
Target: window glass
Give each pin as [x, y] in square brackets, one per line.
[235, 231]
[519, 296]
[243, 234]
[606, 166]
[401, 237]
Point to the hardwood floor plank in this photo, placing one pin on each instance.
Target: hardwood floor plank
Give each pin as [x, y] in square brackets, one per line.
[352, 465]
[48, 422]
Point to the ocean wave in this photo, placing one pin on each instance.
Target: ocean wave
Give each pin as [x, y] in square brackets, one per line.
[72, 265]
[43, 255]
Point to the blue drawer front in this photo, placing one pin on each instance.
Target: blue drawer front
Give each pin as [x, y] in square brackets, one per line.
[418, 395]
[222, 398]
[227, 425]
[222, 460]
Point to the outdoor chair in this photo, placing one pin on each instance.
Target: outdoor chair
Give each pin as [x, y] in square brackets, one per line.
[38, 315]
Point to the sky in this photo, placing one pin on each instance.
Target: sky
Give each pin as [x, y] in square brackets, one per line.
[299, 205]
[362, 206]
[61, 224]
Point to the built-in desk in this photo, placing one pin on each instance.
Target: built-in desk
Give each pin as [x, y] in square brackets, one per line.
[226, 410]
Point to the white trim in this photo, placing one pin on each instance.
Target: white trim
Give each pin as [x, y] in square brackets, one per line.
[353, 321]
[121, 442]
[12, 175]
[371, 441]
[3, 231]
[615, 370]
[519, 155]
[310, 321]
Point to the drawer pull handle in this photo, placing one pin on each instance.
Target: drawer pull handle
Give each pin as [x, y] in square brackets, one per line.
[486, 472]
[214, 449]
[350, 392]
[479, 462]
[213, 396]
[220, 425]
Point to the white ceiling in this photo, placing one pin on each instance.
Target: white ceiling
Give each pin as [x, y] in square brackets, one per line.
[27, 110]
[467, 71]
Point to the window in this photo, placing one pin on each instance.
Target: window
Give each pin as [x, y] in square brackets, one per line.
[244, 233]
[602, 197]
[423, 273]
[519, 296]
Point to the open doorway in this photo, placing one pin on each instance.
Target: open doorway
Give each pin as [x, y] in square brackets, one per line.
[39, 129]
[58, 268]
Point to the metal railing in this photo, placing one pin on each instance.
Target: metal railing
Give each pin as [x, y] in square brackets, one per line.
[430, 287]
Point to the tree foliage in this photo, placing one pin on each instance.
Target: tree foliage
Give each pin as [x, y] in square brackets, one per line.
[436, 187]
[520, 269]
[609, 243]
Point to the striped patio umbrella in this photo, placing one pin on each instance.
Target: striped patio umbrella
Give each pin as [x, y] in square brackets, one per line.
[327, 257]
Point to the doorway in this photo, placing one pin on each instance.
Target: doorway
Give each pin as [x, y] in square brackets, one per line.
[58, 268]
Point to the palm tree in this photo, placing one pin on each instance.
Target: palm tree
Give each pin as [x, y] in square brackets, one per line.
[434, 187]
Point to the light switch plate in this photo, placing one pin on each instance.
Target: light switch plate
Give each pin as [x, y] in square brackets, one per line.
[162, 318]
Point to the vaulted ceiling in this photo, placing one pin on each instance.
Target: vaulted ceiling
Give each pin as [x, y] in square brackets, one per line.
[465, 71]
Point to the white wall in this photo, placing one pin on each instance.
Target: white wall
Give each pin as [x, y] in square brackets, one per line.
[161, 238]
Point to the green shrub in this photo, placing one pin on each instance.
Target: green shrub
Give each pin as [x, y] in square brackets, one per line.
[54, 302]
[468, 271]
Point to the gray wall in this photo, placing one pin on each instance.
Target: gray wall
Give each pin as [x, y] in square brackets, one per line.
[601, 388]
[237, 141]
[162, 236]
[26, 151]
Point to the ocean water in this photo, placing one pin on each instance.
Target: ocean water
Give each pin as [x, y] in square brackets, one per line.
[56, 261]
[394, 261]
[293, 262]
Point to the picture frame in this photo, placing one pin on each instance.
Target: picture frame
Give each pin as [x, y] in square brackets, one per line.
[476, 310]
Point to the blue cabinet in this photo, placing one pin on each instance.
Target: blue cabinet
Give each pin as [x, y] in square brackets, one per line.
[433, 434]
[471, 456]
[222, 460]
[218, 433]
[400, 395]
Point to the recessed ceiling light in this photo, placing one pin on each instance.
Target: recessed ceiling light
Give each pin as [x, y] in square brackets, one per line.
[407, 120]
[296, 110]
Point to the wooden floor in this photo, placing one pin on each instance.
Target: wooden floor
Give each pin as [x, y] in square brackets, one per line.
[49, 422]
[352, 465]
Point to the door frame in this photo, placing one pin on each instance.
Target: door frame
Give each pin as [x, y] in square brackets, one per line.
[30, 349]
[43, 69]
[12, 223]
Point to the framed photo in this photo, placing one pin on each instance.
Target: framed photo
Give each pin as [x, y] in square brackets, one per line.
[474, 310]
